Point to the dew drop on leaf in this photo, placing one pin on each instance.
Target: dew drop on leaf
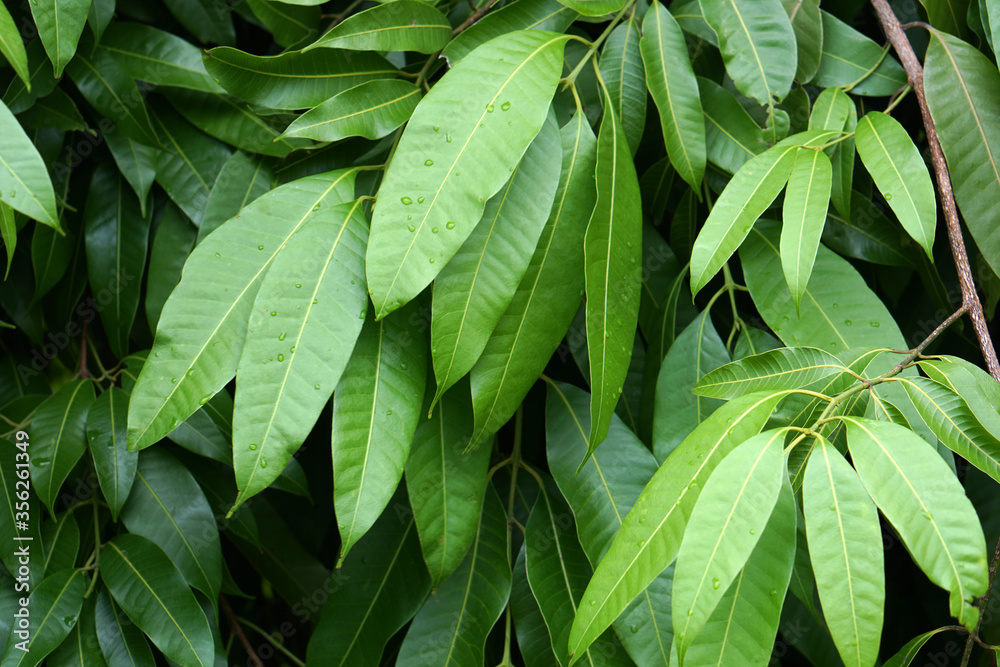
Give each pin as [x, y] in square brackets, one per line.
[281, 357]
[450, 225]
[489, 109]
[715, 584]
[282, 335]
[505, 106]
[252, 447]
[428, 163]
[411, 228]
[263, 463]
[420, 200]
[434, 230]
[430, 259]
[406, 201]
[260, 247]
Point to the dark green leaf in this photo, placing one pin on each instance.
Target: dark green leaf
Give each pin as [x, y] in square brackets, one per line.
[519, 15]
[403, 25]
[54, 609]
[58, 438]
[114, 464]
[60, 24]
[851, 58]
[243, 178]
[157, 56]
[624, 79]
[61, 540]
[122, 643]
[208, 21]
[174, 241]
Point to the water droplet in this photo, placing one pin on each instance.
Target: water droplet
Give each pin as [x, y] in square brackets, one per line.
[315, 301]
[848, 322]
[317, 387]
[274, 313]
[282, 335]
[448, 138]
[316, 207]
[205, 399]
[420, 200]
[430, 259]
[888, 196]
[690, 612]
[263, 463]
[640, 543]
[190, 372]
[361, 315]
[753, 532]
[406, 200]
[252, 447]
[298, 285]
[218, 254]
[505, 106]
[388, 413]
[593, 602]
[773, 592]
[489, 108]
[69, 620]
[281, 357]
[833, 508]
[260, 247]
[434, 230]
[875, 324]
[428, 163]
[436, 128]
[450, 225]
[928, 515]
[292, 349]
[412, 228]
[173, 380]
[715, 584]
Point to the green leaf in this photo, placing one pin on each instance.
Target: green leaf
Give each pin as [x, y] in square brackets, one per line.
[757, 44]
[99, 16]
[207, 21]
[723, 529]
[188, 168]
[243, 178]
[544, 304]
[473, 291]
[742, 629]
[174, 241]
[696, 351]
[293, 80]
[807, 23]
[674, 88]
[57, 110]
[61, 539]
[899, 172]
[17, 97]
[845, 550]
[529, 624]
[376, 408]
[612, 250]
[197, 349]
[8, 231]
[948, 15]
[594, 7]
[117, 235]
[379, 589]
[111, 91]
[300, 338]
[13, 533]
[972, 434]
[452, 626]
[372, 110]
[441, 480]
[81, 647]
[650, 535]
[51, 253]
[803, 215]
[519, 15]
[114, 464]
[136, 162]
[403, 25]
[851, 58]
[775, 370]
[58, 438]
[906, 655]
[54, 607]
[621, 68]
[157, 56]
[961, 85]
[732, 137]
[291, 26]
[926, 505]
[12, 47]
[122, 643]
[745, 198]
[148, 587]
[839, 311]
[167, 507]
[830, 110]
[60, 25]
[24, 181]
[445, 174]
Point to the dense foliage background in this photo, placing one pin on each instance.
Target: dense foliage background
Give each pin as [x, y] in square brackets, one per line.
[630, 332]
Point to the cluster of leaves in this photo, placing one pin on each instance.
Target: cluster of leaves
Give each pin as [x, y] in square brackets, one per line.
[385, 232]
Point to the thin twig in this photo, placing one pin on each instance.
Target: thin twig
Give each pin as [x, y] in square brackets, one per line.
[83, 372]
[236, 629]
[478, 14]
[970, 299]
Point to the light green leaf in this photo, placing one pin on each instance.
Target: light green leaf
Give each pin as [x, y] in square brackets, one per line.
[445, 174]
[803, 215]
[12, 47]
[696, 351]
[612, 250]
[197, 350]
[742, 629]
[293, 80]
[519, 15]
[136, 162]
[174, 241]
[830, 110]
[732, 137]
[600, 495]
[148, 587]
[378, 590]
[376, 407]
[745, 198]
[650, 536]
[58, 438]
[962, 85]
[116, 236]
[209, 22]
[544, 304]
[757, 44]
[851, 58]
[839, 311]
[775, 370]
[243, 178]
[304, 323]
[899, 172]
[725, 524]
[54, 607]
[452, 626]
[621, 68]
[60, 24]
[114, 464]
[674, 88]
[473, 291]
[594, 7]
[926, 505]
[371, 110]
[441, 480]
[807, 22]
[122, 643]
[167, 507]
[24, 181]
[403, 25]
[845, 548]
[972, 434]
[157, 56]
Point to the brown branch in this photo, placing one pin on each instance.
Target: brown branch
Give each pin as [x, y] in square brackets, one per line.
[83, 372]
[234, 627]
[915, 73]
[478, 14]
